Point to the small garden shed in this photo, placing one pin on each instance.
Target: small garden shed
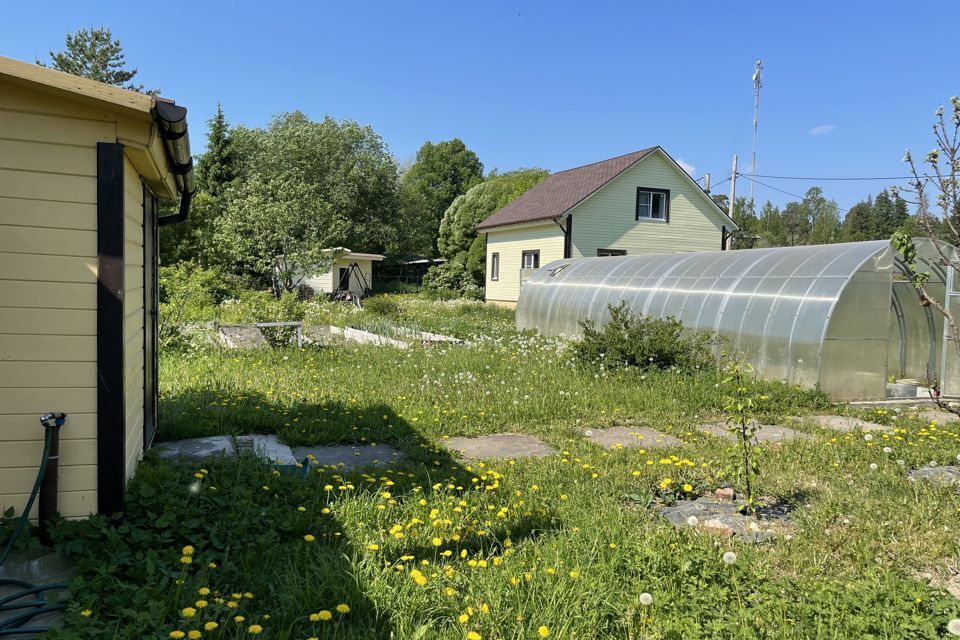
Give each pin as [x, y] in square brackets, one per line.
[82, 167]
[351, 271]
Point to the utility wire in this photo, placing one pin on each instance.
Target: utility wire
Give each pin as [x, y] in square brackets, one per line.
[834, 178]
[792, 195]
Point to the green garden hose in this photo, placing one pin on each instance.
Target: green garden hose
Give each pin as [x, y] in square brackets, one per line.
[28, 600]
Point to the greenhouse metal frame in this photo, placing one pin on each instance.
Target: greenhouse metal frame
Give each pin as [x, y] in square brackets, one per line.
[842, 317]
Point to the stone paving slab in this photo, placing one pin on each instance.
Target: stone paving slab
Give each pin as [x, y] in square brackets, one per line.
[349, 457]
[942, 417]
[845, 424]
[197, 448]
[949, 475]
[267, 447]
[41, 567]
[630, 437]
[765, 433]
[723, 518]
[499, 445]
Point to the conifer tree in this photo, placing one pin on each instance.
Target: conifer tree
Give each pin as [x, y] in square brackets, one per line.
[95, 54]
[216, 168]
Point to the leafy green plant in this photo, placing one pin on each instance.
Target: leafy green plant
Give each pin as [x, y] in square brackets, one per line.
[632, 340]
[739, 406]
[384, 305]
[189, 294]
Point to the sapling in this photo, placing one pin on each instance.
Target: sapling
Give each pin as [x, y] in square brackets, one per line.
[738, 406]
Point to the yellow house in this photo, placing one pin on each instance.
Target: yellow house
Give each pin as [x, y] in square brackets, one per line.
[82, 165]
[638, 203]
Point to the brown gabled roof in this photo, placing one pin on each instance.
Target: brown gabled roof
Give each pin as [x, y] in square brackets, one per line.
[562, 191]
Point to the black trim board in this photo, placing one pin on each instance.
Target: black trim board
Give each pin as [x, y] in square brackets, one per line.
[568, 239]
[111, 407]
[666, 204]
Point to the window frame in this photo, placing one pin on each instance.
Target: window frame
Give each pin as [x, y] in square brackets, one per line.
[666, 205]
[611, 253]
[531, 252]
[495, 266]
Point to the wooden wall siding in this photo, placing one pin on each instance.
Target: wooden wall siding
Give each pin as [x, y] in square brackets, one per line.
[510, 243]
[607, 219]
[48, 270]
[133, 320]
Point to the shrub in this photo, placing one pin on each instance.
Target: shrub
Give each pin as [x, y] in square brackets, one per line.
[632, 340]
[384, 305]
[188, 294]
[287, 308]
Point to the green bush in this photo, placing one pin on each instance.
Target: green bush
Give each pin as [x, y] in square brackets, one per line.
[287, 308]
[384, 305]
[189, 294]
[632, 340]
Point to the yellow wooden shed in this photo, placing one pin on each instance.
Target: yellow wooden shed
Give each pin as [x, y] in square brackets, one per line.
[82, 167]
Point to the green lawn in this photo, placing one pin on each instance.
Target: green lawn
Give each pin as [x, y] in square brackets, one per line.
[561, 547]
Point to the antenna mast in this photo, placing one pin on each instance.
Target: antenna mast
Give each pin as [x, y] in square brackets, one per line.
[757, 83]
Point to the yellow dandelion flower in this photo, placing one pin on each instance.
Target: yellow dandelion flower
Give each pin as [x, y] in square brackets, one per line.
[203, 591]
[210, 626]
[177, 634]
[325, 615]
[343, 608]
[201, 604]
[194, 635]
[86, 613]
[186, 559]
[187, 550]
[188, 612]
[238, 619]
[309, 537]
[473, 635]
[463, 618]
[254, 629]
[543, 631]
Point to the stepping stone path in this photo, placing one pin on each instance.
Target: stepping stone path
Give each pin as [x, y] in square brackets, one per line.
[630, 437]
[942, 417]
[270, 449]
[766, 432]
[845, 424]
[723, 518]
[348, 457]
[499, 445]
[267, 447]
[949, 475]
[197, 448]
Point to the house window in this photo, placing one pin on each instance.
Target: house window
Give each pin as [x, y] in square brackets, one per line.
[494, 266]
[606, 253]
[530, 260]
[653, 204]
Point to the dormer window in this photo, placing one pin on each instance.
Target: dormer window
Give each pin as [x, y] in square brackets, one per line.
[653, 204]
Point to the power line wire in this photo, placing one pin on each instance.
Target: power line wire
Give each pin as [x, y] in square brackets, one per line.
[831, 178]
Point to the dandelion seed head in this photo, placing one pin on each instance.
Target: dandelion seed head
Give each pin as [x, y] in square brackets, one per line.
[646, 599]
[729, 557]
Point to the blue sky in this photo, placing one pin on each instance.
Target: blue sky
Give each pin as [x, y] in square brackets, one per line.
[848, 86]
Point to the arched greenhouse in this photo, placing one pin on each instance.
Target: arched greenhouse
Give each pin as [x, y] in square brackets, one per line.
[841, 316]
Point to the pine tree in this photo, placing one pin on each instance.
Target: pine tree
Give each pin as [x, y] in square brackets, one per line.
[216, 168]
[859, 222]
[94, 54]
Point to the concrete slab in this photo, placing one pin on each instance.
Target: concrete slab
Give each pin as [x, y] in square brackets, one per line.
[267, 447]
[842, 423]
[242, 337]
[766, 432]
[349, 457]
[197, 448]
[948, 475]
[499, 445]
[942, 417]
[365, 337]
[725, 519]
[40, 567]
[630, 437]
